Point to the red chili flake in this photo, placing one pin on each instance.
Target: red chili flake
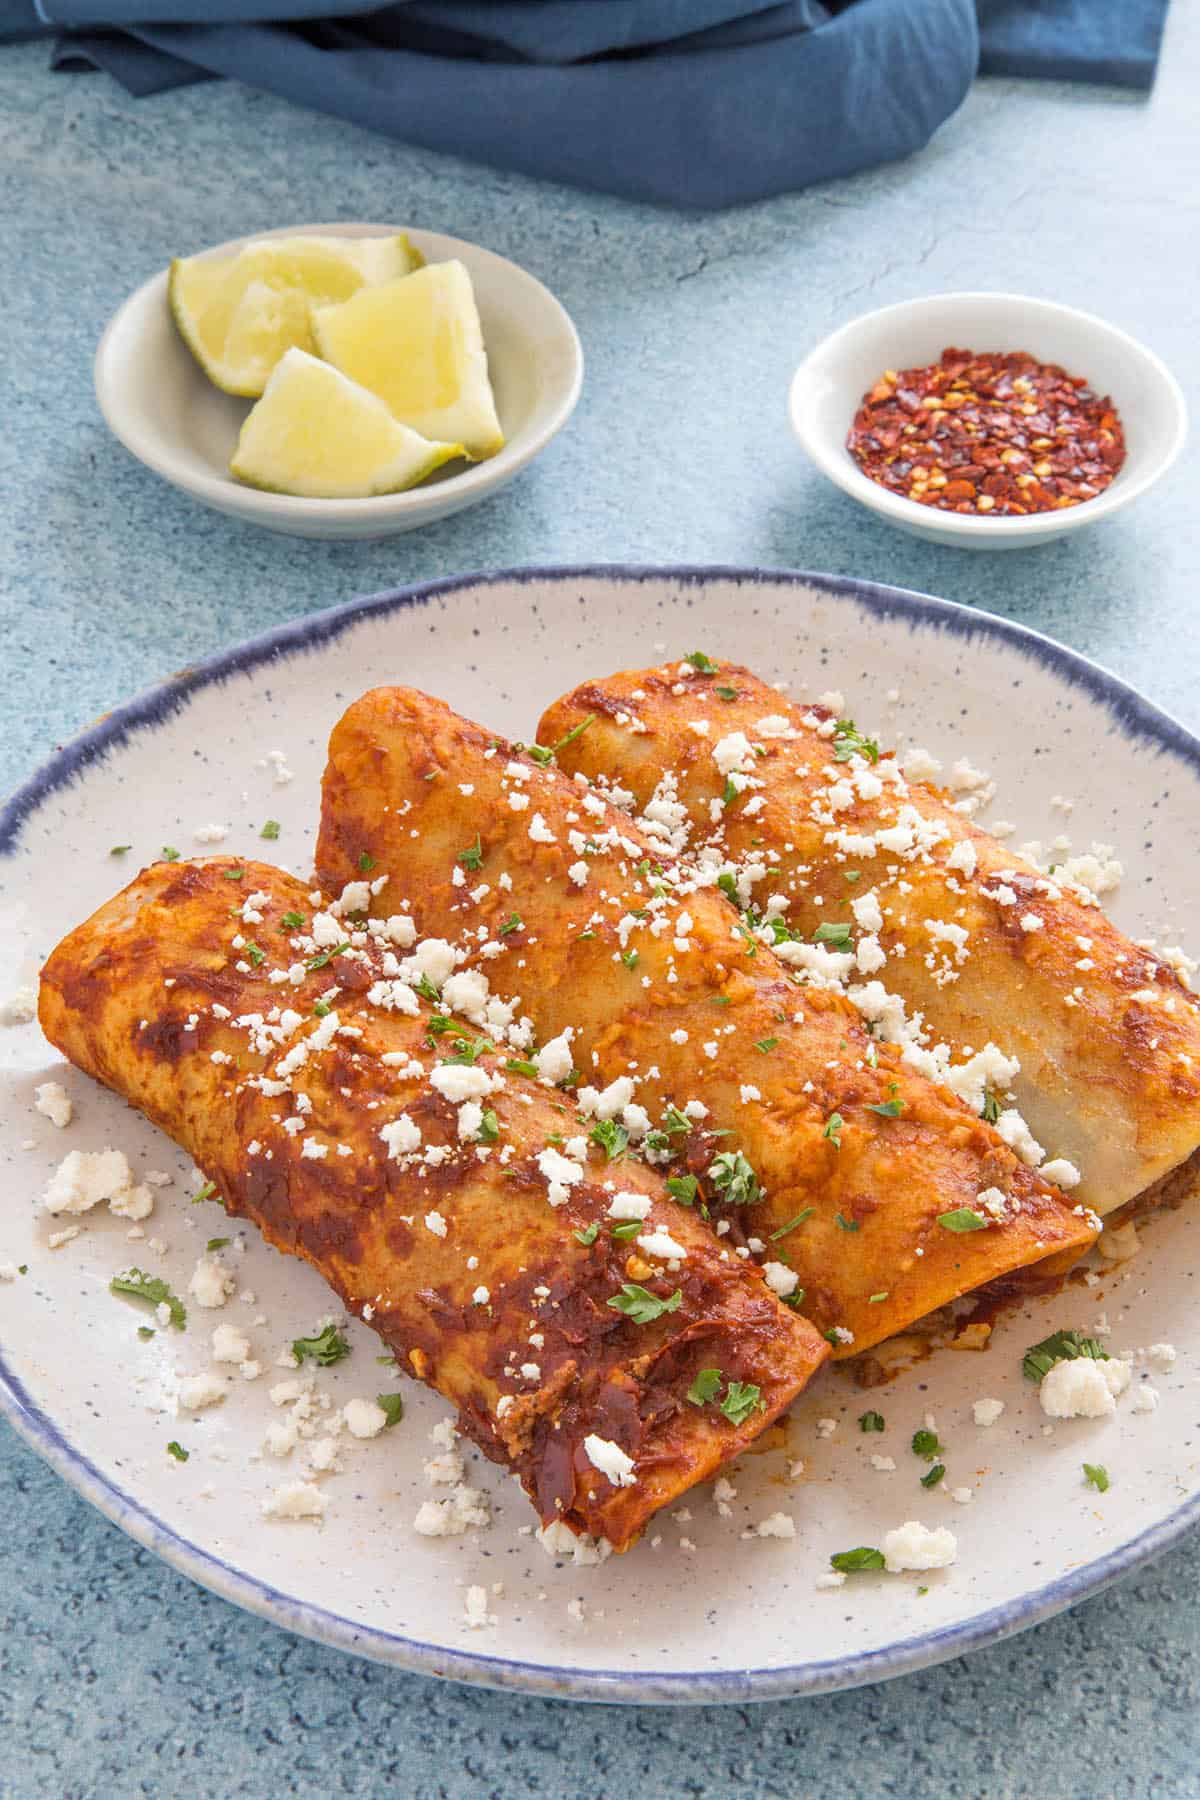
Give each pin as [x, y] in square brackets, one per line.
[989, 434]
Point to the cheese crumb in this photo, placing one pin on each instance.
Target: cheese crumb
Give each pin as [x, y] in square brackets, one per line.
[610, 1459]
[913, 1546]
[295, 1500]
[53, 1102]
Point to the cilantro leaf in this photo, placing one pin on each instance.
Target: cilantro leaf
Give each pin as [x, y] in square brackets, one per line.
[926, 1443]
[612, 1138]
[683, 1188]
[934, 1475]
[324, 957]
[870, 1421]
[153, 1290]
[177, 1451]
[888, 1109]
[328, 1347]
[848, 741]
[489, 1127]
[791, 1225]
[835, 932]
[472, 856]
[293, 920]
[734, 1178]
[514, 922]
[629, 1229]
[640, 1305]
[963, 1218]
[1097, 1476]
[726, 693]
[706, 1386]
[990, 1110]
[393, 1406]
[847, 1224]
[741, 1399]
[852, 1562]
[701, 663]
[271, 829]
[588, 1237]
[1060, 1346]
[833, 1129]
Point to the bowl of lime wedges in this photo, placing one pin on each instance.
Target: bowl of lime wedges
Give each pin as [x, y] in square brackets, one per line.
[339, 381]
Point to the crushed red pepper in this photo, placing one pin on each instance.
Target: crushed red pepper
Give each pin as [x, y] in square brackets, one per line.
[999, 434]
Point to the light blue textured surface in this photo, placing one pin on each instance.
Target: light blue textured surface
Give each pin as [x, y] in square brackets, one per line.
[116, 1676]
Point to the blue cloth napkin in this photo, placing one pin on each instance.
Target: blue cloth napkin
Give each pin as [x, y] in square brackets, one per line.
[699, 103]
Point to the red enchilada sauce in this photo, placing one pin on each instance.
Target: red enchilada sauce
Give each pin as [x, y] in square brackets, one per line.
[990, 435]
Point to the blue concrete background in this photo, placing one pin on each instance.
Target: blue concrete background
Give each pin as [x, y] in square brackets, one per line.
[116, 1676]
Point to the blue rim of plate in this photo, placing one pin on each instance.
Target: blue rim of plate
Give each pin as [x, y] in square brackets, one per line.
[1136, 717]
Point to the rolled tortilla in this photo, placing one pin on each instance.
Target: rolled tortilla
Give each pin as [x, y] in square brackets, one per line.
[877, 1193]
[411, 1170]
[983, 948]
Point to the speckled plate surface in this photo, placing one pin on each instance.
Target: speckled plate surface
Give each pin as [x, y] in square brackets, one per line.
[699, 1613]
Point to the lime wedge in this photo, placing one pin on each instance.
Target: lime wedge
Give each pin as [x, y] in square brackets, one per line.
[238, 314]
[317, 434]
[418, 344]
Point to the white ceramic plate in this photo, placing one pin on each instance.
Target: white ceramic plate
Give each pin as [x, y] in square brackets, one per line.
[831, 381]
[158, 401]
[728, 1619]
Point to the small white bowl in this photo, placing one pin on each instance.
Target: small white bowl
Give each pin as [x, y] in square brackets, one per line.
[160, 404]
[829, 384]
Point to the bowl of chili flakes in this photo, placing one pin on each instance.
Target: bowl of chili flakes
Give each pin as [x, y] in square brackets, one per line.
[987, 421]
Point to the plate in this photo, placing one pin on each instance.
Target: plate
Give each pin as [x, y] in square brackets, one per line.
[699, 1612]
[158, 401]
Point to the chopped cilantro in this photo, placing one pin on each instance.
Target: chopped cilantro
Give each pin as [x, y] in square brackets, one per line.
[833, 932]
[795, 1299]
[852, 875]
[926, 1443]
[324, 957]
[726, 693]
[847, 1224]
[701, 663]
[153, 1290]
[1060, 1346]
[734, 1178]
[731, 793]
[234, 874]
[791, 1225]
[683, 1188]
[469, 1054]
[217, 1244]
[575, 731]
[852, 1562]
[871, 1421]
[629, 1229]
[146, 1331]
[990, 1110]
[270, 830]
[120, 849]
[877, 1299]
[675, 1121]
[328, 1347]
[933, 1476]
[393, 1406]
[728, 885]
[612, 1138]
[255, 952]
[170, 853]
[489, 1127]
[588, 1236]
[741, 1399]
[517, 1066]
[721, 1000]
[963, 1218]
[630, 959]
[366, 862]
[426, 988]
[640, 1305]
[766, 1045]
[888, 1109]
[293, 920]
[833, 1129]
[1097, 1476]
[472, 856]
[322, 1008]
[514, 922]
[706, 1387]
[848, 741]
[206, 1193]
[177, 1451]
